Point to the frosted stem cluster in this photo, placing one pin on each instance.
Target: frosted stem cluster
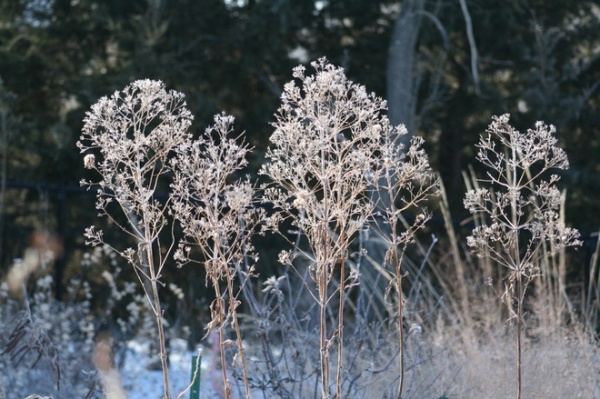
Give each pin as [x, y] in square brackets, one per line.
[218, 218]
[519, 203]
[127, 138]
[137, 141]
[331, 150]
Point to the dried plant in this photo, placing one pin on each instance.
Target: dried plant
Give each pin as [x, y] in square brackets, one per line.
[406, 182]
[521, 208]
[331, 149]
[42, 339]
[218, 218]
[127, 138]
[30, 339]
[324, 145]
[338, 173]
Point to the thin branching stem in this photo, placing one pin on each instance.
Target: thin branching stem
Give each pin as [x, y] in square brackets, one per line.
[519, 210]
[133, 133]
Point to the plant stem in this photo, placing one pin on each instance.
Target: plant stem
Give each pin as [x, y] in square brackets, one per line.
[395, 260]
[238, 333]
[400, 326]
[161, 339]
[220, 306]
[159, 323]
[514, 191]
[324, 350]
[519, 328]
[341, 329]
[218, 313]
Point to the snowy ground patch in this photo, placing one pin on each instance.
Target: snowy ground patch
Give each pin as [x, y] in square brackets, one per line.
[141, 383]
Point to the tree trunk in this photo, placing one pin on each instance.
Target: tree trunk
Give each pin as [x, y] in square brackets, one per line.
[401, 81]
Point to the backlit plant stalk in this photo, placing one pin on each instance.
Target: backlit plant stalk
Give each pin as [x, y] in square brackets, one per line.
[324, 156]
[521, 209]
[127, 138]
[406, 182]
[218, 218]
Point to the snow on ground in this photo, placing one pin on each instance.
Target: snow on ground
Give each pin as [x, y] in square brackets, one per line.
[141, 383]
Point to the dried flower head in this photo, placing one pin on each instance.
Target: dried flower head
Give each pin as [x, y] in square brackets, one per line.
[323, 154]
[133, 133]
[89, 161]
[217, 215]
[521, 209]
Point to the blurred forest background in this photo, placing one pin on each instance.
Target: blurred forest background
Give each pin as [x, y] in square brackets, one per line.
[446, 66]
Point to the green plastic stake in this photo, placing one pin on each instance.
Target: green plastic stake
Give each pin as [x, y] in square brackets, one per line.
[196, 369]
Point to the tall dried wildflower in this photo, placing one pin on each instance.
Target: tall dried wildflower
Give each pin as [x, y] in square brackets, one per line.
[330, 147]
[521, 208]
[127, 138]
[219, 218]
[405, 183]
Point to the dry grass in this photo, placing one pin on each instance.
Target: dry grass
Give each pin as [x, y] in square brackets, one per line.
[559, 366]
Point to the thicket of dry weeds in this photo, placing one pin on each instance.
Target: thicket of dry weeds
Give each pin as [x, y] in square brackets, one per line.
[337, 180]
